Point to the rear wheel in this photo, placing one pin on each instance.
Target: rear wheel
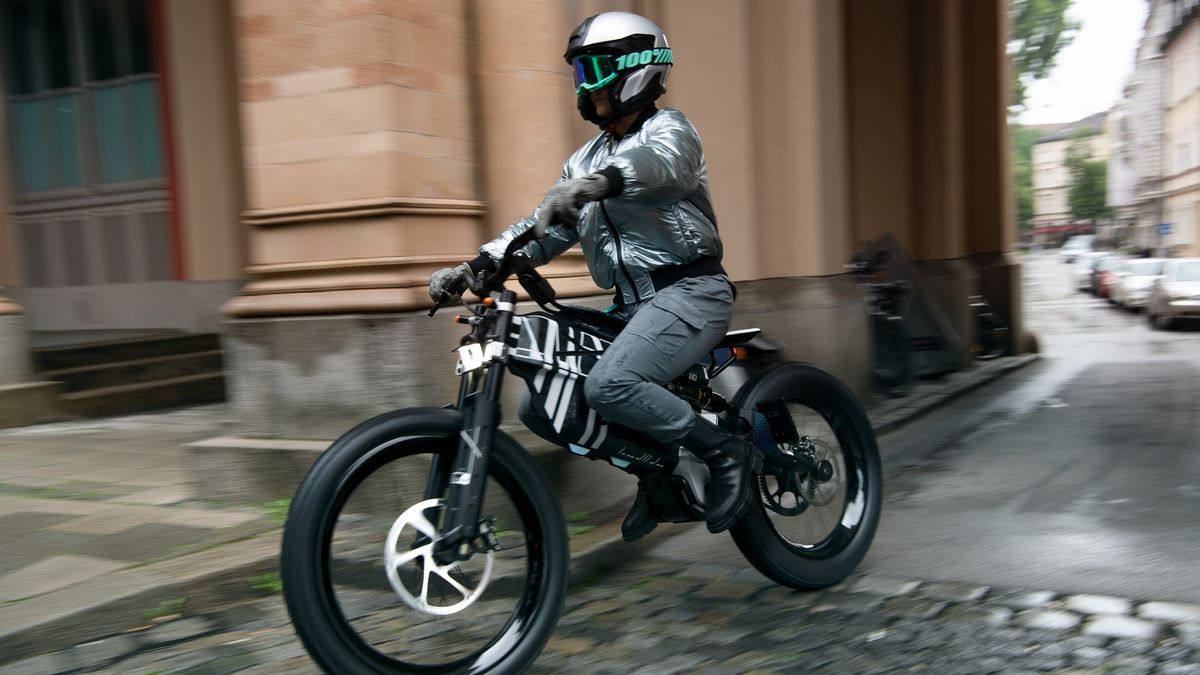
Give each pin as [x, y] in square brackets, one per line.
[805, 532]
[362, 587]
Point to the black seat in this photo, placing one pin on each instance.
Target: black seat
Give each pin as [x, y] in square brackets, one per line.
[738, 337]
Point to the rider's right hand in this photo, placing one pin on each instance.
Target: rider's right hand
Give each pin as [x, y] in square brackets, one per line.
[447, 285]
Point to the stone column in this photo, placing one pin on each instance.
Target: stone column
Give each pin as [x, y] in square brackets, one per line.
[202, 84]
[937, 229]
[989, 207]
[14, 343]
[359, 150]
[14, 329]
[881, 78]
[526, 108]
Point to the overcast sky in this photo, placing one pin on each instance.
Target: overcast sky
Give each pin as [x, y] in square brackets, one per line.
[1089, 73]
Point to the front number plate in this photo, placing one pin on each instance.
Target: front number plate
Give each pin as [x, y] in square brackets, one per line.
[470, 357]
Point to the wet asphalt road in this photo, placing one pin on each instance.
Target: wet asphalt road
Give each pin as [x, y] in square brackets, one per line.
[1080, 473]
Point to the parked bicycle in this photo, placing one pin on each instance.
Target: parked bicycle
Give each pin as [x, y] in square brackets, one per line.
[991, 331]
[893, 368]
[427, 540]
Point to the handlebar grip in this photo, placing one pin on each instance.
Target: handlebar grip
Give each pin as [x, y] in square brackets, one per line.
[453, 290]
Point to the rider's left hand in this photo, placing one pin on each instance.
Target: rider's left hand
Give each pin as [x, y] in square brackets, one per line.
[561, 206]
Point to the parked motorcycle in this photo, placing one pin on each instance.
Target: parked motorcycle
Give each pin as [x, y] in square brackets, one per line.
[427, 540]
[893, 368]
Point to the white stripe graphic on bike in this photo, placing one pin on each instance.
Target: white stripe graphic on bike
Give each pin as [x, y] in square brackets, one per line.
[601, 436]
[587, 432]
[551, 403]
[564, 383]
[568, 384]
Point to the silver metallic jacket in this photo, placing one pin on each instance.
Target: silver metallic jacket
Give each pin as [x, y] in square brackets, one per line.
[664, 215]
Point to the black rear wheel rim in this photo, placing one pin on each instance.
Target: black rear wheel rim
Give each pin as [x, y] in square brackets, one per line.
[845, 513]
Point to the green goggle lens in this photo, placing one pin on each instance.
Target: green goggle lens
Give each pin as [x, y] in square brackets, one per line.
[593, 72]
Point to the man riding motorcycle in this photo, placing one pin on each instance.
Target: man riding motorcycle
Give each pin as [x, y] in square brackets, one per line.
[636, 200]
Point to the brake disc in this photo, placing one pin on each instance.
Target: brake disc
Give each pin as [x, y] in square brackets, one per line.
[419, 559]
[794, 492]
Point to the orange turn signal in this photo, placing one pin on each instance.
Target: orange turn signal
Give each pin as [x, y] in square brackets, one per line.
[489, 301]
[739, 353]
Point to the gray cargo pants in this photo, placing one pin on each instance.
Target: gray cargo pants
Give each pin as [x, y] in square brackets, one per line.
[667, 335]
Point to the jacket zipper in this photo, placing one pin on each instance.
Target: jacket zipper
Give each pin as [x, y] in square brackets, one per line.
[616, 234]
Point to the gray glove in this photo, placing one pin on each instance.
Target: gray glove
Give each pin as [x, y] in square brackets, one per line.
[450, 281]
[562, 202]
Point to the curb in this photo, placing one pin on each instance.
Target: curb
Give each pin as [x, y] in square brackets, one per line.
[894, 415]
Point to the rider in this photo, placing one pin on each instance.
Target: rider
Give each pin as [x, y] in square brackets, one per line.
[636, 200]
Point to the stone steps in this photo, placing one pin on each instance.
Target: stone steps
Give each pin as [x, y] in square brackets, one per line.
[119, 373]
[134, 375]
[27, 403]
[131, 349]
[139, 396]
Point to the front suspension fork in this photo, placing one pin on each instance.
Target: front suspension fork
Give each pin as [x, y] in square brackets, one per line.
[466, 477]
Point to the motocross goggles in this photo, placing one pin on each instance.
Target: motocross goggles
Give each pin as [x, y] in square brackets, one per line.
[593, 71]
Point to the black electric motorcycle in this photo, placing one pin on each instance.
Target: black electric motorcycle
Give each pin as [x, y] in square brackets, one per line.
[427, 540]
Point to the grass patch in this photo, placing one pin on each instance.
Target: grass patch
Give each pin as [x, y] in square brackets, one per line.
[85, 492]
[170, 607]
[277, 510]
[267, 583]
[578, 516]
[576, 530]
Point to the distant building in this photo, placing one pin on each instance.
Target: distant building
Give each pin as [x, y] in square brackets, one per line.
[1181, 161]
[1051, 179]
[1138, 145]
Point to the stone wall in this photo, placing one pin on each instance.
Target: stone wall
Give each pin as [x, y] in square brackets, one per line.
[315, 377]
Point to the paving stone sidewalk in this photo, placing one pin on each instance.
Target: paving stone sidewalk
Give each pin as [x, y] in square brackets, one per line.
[654, 618]
[86, 507]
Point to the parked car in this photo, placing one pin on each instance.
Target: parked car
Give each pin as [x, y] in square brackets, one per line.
[1104, 274]
[1176, 294]
[1080, 243]
[1081, 272]
[1134, 279]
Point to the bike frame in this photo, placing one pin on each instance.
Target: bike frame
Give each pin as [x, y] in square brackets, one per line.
[483, 360]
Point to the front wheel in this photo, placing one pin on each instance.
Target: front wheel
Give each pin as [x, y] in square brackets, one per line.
[805, 532]
[361, 584]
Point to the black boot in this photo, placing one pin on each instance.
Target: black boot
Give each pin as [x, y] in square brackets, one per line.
[638, 523]
[731, 463]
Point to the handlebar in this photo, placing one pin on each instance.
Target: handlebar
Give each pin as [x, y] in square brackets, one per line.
[533, 282]
[864, 264]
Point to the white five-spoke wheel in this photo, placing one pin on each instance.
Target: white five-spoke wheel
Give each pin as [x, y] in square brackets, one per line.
[420, 560]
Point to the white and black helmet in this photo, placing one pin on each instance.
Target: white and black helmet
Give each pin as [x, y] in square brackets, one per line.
[623, 52]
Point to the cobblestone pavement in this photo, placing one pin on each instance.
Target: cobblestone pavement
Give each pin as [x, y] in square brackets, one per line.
[655, 618]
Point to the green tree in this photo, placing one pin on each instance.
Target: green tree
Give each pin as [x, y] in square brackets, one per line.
[1089, 181]
[1023, 139]
[1040, 30]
